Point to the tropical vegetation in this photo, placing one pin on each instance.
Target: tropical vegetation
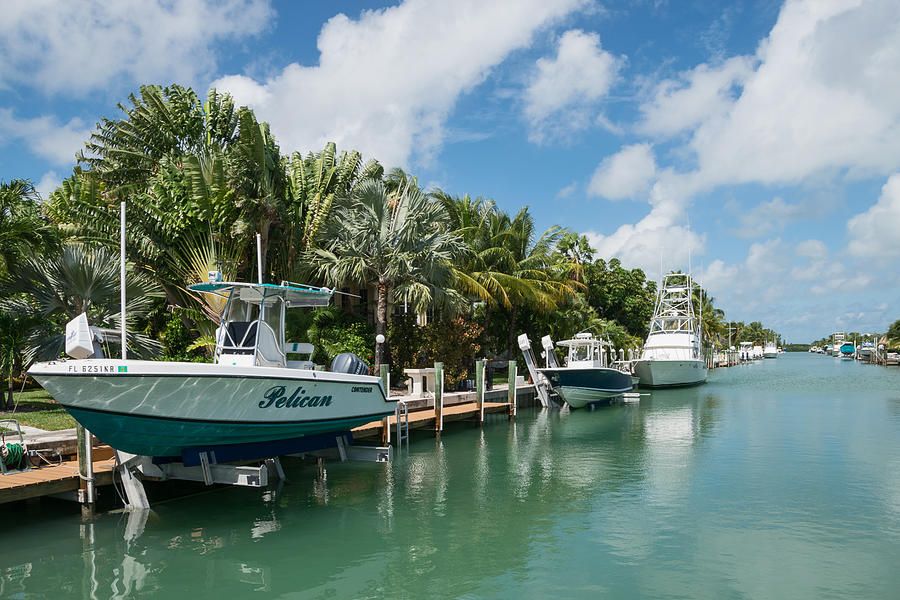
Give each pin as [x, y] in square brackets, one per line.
[450, 277]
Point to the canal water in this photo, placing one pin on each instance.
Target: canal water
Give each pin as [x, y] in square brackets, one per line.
[777, 479]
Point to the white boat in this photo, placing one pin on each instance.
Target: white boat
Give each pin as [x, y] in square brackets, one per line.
[771, 350]
[867, 351]
[250, 395]
[585, 378]
[672, 354]
[837, 340]
[746, 351]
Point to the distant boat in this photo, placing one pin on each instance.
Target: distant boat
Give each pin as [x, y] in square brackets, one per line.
[672, 355]
[771, 350]
[848, 351]
[866, 351]
[585, 378]
[837, 341]
[746, 350]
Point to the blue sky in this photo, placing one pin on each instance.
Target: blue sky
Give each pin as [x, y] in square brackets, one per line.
[760, 139]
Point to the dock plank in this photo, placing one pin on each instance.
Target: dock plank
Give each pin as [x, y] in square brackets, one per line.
[422, 419]
[49, 480]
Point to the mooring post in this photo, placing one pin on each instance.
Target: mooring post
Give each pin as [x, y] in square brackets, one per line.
[479, 389]
[386, 379]
[511, 391]
[85, 471]
[386, 422]
[439, 397]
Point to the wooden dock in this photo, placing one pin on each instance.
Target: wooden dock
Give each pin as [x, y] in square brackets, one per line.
[431, 413]
[428, 418]
[57, 479]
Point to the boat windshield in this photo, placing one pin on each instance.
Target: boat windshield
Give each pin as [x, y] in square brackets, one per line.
[582, 352]
[253, 324]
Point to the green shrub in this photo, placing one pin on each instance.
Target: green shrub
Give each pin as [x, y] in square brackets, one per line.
[176, 338]
[453, 342]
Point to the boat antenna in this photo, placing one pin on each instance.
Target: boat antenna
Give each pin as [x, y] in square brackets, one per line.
[122, 275]
[259, 257]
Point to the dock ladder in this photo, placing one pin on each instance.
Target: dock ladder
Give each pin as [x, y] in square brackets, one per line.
[401, 418]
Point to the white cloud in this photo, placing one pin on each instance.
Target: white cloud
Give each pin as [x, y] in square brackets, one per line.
[663, 232]
[825, 96]
[48, 184]
[811, 249]
[768, 217]
[698, 95]
[387, 81]
[564, 89]
[567, 191]
[44, 136]
[876, 232]
[626, 174]
[752, 287]
[819, 100]
[76, 47]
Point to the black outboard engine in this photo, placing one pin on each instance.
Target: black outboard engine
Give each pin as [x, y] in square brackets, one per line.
[347, 362]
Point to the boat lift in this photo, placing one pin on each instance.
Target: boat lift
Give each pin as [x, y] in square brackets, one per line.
[541, 384]
[215, 464]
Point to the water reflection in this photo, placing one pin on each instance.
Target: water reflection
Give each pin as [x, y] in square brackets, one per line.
[713, 484]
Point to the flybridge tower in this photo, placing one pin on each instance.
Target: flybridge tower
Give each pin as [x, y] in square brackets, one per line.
[674, 310]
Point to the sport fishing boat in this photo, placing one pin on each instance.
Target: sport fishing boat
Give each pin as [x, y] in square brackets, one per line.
[250, 393]
[585, 378]
[771, 350]
[672, 355]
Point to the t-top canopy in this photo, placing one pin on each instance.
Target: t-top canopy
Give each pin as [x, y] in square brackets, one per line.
[254, 293]
[579, 340]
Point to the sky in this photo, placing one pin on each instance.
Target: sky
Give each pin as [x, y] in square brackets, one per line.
[754, 142]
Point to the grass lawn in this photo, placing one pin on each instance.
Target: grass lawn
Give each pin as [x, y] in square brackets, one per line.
[37, 409]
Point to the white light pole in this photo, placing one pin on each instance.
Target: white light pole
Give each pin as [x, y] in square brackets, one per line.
[122, 275]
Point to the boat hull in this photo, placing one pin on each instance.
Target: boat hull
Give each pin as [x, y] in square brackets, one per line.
[670, 373]
[580, 387]
[160, 409]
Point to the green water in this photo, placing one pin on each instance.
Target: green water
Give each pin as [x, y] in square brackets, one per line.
[779, 479]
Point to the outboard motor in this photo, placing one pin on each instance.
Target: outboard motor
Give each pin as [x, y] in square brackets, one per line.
[347, 362]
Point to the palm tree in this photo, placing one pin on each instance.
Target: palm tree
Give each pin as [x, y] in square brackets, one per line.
[57, 288]
[471, 221]
[162, 122]
[13, 337]
[313, 184]
[712, 319]
[530, 272]
[576, 248]
[23, 228]
[259, 180]
[398, 241]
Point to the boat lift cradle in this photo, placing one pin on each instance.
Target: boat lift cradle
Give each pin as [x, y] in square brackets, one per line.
[541, 384]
